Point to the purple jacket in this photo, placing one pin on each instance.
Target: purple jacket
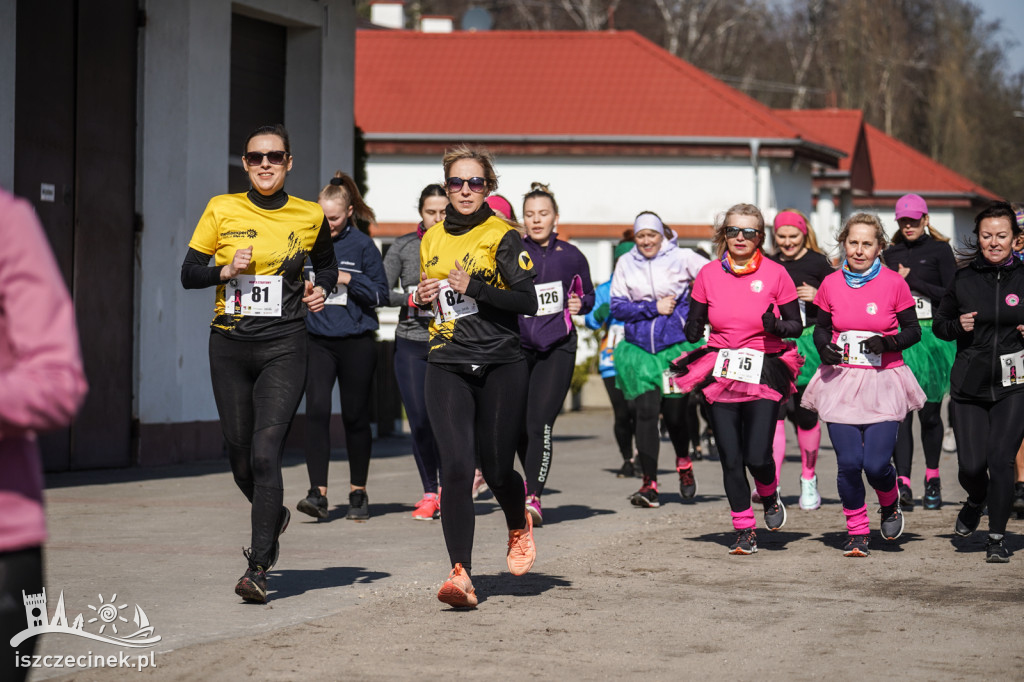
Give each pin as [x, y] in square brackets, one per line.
[639, 282]
[559, 261]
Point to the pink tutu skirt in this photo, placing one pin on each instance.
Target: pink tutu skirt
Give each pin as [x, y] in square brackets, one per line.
[720, 390]
[863, 395]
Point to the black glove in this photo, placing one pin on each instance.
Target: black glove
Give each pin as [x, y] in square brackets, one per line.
[831, 354]
[876, 344]
[768, 320]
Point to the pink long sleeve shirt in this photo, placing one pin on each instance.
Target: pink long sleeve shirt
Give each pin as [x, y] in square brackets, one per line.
[41, 379]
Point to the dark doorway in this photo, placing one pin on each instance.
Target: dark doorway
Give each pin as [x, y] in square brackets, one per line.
[74, 158]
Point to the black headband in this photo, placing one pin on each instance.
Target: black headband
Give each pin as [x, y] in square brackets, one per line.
[336, 181]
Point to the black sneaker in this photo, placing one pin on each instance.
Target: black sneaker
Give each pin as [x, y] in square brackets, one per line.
[774, 511]
[696, 454]
[932, 493]
[856, 545]
[1018, 497]
[282, 524]
[647, 496]
[252, 586]
[746, 542]
[358, 505]
[892, 521]
[968, 519]
[627, 469]
[710, 446]
[995, 552]
[687, 483]
[314, 504]
[906, 497]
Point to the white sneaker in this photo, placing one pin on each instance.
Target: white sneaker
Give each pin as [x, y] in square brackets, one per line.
[949, 440]
[809, 497]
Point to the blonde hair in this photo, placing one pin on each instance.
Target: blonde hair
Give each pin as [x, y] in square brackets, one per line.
[540, 190]
[342, 188]
[718, 241]
[863, 219]
[810, 240]
[478, 154]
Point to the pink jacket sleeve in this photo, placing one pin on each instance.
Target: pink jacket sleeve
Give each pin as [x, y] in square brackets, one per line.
[41, 379]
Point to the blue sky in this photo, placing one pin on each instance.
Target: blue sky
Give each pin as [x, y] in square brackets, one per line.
[1011, 14]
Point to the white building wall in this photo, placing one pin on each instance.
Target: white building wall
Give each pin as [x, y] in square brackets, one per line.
[184, 107]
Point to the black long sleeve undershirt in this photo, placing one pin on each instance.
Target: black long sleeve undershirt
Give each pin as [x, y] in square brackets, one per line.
[790, 326]
[908, 335]
[521, 298]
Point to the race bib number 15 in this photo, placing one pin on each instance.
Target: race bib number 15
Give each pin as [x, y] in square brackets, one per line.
[740, 364]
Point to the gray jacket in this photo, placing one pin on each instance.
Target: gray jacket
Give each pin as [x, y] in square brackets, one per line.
[402, 270]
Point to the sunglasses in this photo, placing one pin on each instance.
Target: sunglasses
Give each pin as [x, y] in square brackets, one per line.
[256, 158]
[748, 232]
[475, 184]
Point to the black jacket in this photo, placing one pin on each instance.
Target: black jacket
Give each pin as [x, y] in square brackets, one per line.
[996, 293]
[931, 262]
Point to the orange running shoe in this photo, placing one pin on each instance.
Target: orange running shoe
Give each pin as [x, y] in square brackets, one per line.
[426, 507]
[521, 550]
[458, 590]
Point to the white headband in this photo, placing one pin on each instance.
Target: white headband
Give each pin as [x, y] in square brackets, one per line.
[648, 221]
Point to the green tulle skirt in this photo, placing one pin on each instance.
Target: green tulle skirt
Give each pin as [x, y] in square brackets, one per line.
[637, 371]
[805, 346]
[931, 360]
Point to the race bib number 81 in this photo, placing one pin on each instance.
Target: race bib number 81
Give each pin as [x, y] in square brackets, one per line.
[253, 295]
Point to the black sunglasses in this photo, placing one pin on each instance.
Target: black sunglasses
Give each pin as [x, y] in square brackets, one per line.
[475, 184]
[747, 232]
[256, 158]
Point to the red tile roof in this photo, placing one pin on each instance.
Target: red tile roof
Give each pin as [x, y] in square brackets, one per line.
[838, 128]
[525, 83]
[899, 168]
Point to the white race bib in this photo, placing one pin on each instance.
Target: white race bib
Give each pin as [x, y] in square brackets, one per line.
[803, 312]
[924, 307]
[253, 295]
[616, 333]
[549, 298]
[851, 345]
[668, 387]
[414, 311]
[741, 364]
[451, 305]
[1012, 365]
[338, 296]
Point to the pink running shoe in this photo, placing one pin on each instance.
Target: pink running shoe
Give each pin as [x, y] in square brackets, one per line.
[427, 507]
[534, 510]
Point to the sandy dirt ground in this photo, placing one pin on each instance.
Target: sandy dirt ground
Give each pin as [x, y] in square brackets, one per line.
[617, 591]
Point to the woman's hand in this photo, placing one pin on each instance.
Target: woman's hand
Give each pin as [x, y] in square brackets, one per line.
[344, 277]
[458, 278]
[806, 293]
[967, 321]
[903, 270]
[314, 297]
[666, 305]
[427, 290]
[238, 263]
[574, 305]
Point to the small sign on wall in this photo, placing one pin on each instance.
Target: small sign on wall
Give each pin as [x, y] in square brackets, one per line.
[47, 192]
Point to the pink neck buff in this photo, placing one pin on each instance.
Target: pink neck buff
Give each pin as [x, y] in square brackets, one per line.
[752, 265]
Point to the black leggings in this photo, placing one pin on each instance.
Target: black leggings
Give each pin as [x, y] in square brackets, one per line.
[931, 439]
[477, 417]
[744, 433]
[648, 436]
[550, 376]
[411, 373]
[258, 386]
[799, 416]
[988, 435]
[350, 361]
[20, 571]
[624, 415]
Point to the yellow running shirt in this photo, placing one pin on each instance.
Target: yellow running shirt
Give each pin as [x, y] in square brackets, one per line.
[492, 253]
[281, 239]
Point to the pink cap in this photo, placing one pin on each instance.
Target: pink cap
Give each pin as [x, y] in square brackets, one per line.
[910, 206]
[791, 218]
[500, 204]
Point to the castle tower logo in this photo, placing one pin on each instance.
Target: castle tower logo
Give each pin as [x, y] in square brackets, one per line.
[113, 626]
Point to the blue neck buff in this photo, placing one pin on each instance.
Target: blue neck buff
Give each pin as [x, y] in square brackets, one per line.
[858, 279]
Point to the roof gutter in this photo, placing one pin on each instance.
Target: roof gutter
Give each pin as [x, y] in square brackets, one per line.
[613, 139]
